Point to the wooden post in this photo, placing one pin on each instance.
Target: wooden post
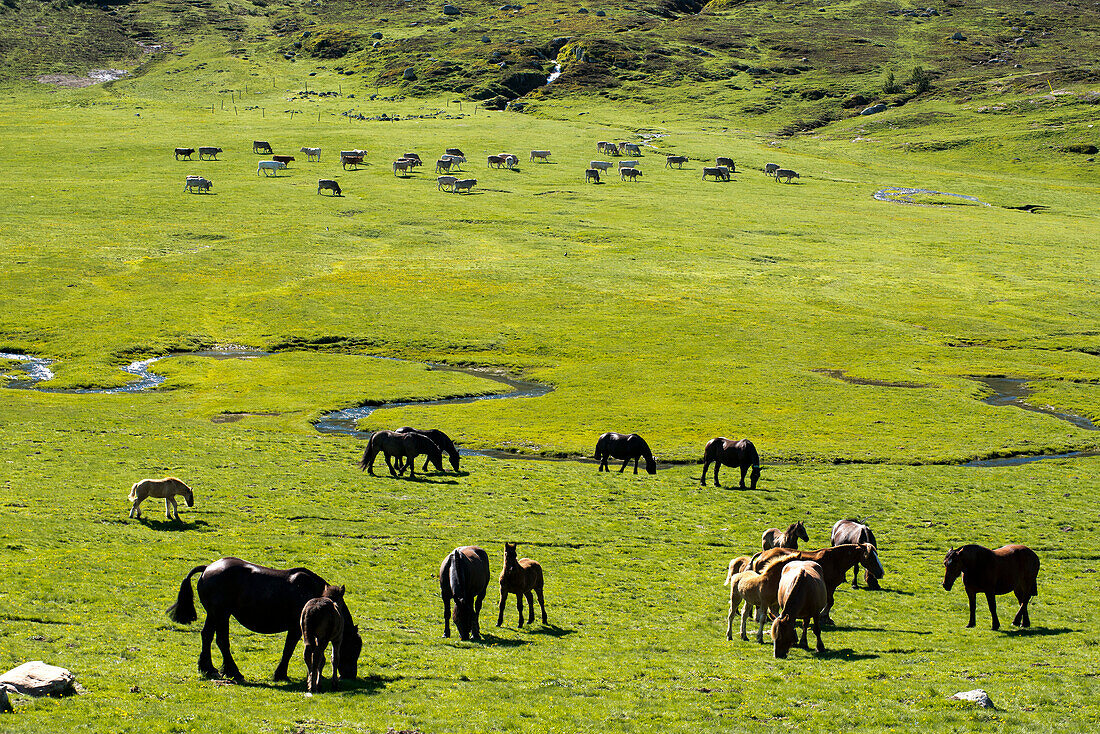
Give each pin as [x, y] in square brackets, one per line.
[318, 117]
[211, 109]
[234, 109]
[263, 112]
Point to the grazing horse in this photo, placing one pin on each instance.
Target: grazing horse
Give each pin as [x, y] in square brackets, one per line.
[209, 153]
[466, 184]
[785, 173]
[633, 174]
[441, 181]
[285, 159]
[185, 152]
[727, 163]
[403, 446]
[464, 577]
[540, 155]
[261, 146]
[731, 453]
[802, 595]
[327, 184]
[774, 538]
[273, 166]
[625, 447]
[312, 154]
[1009, 568]
[322, 622]
[591, 174]
[167, 488]
[853, 531]
[675, 160]
[520, 576]
[441, 439]
[265, 600]
[759, 591]
[835, 561]
[350, 160]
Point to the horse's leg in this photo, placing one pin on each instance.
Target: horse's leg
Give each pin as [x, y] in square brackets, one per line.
[829, 606]
[625, 462]
[410, 464]
[477, 615]
[446, 615]
[636, 458]
[292, 637]
[519, 607]
[717, 464]
[991, 599]
[745, 612]
[542, 603]
[221, 635]
[135, 511]
[805, 627]
[307, 653]
[817, 631]
[729, 617]
[703, 479]
[206, 664]
[336, 650]
[744, 471]
[761, 615]
[503, 599]
[973, 600]
[168, 507]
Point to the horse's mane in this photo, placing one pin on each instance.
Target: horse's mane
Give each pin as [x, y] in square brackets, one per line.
[778, 559]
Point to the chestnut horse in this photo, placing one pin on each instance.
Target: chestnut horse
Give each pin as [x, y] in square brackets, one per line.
[625, 447]
[322, 622]
[1009, 568]
[464, 577]
[264, 600]
[834, 561]
[759, 591]
[731, 453]
[773, 538]
[802, 595]
[520, 577]
[853, 531]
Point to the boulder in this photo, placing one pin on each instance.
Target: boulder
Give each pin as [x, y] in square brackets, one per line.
[958, 36]
[376, 35]
[601, 14]
[449, 9]
[36, 678]
[977, 696]
[409, 74]
[874, 109]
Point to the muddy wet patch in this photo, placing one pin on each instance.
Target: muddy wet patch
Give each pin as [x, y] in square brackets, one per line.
[840, 375]
[234, 417]
[904, 195]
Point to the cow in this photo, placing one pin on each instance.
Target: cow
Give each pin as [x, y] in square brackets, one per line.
[495, 161]
[628, 164]
[676, 160]
[273, 166]
[600, 165]
[601, 147]
[770, 169]
[327, 184]
[312, 154]
[445, 164]
[785, 173]
[629, 173]
[209, 153]
[185, 152]
[632, 148]
[287, 159]
[413, 157]
[346, 159]
[464, 183]
[727, 162]
[720, 173]
[261, 146]
[449, 181]
[403, 165]
[457, 152]
[592, 174]
[540, 155]
[510, 159]
[197, 182]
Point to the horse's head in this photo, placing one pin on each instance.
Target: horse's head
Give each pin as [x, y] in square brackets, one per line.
[349, 653]
[464, 617]
[869, 560]
[800, 531]
[784, 634]
[753, 476]
[953, 566]
[509, 553]
[188, 495]
[650, 465]
[454, 461]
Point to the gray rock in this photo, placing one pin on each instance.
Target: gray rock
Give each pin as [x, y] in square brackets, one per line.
[485, 39]
[36, 678]
[957, 36]
[449, 9]
[977, 696]
[409, 74]
[376, 34]
[601, 14]
[874, 109]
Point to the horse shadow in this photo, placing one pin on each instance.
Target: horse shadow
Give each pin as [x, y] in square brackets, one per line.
[429, 480]
[846, 654]
[490, 640]
[367, 685]
[175, 525]
[550, 630]
[882, 590]
[1036, 631]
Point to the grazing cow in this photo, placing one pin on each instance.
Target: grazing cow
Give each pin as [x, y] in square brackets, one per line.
[495, 161]
[312, 154]
[601, 147]
[361, 153]
[632, 148]
[445, 164]
[287, 159]
[185, 152]
[209, 153]
[273, 166]
[540, 155]
[456, 160]
[448, 181]
[600, 165]
[727, 162]
[413, 157]
[770, 169]
[456, 152]
[327, 184]
[350, 160]
[631, 174]
[197, 182]
[261, 146]
[403, 165]
[785, 173]
[510, 159]
[802, 595]
[592, 174]
[465, 184]
[720, 173]
[675, 160]
[628, 164]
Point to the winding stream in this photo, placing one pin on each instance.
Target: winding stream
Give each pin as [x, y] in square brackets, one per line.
[903, 195]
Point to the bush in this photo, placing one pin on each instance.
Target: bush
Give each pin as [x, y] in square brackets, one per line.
[890, 84]
[920, 79]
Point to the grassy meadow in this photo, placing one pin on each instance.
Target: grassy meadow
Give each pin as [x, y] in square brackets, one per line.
[839, 332]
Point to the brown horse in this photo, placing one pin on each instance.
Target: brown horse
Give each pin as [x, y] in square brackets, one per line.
[322, 622]
[774, 538]
[853, 531]
[405, 447]
[759, 592]
[625, 447]
[464, 577]
[520, 577]
[441, 439]
[166, 488]
[802, 595]
[737, 565]
[834, 561]
[1009, 568]
[741, 454]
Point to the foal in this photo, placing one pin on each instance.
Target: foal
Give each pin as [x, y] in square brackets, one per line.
[520, 577]
[322, 623]
[166, 488]
[773, 538]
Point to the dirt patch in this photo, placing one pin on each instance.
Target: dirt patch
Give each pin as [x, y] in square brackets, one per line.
[839, 375]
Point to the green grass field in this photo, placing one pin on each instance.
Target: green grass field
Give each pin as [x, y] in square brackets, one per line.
[841, 333]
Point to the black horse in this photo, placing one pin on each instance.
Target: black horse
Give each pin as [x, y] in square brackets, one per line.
[464, 577]
[622, 446]
[731, 453]
[441, 439]
[405, 447]
[264, 600]
[1010, 568]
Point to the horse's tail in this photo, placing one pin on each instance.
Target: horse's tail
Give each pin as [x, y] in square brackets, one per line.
[366, 454]
[133, 491]
[458, 574]
[599, 446]
[183, 611]
[729, 575]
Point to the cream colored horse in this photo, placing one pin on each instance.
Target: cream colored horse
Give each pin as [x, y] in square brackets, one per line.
[166, 488]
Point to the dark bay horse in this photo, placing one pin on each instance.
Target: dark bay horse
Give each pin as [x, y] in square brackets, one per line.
[774, 538]
[405, 447]
[441, 439]
[622, 446]
[464, 577]
[520, 576]
[741, 454]
[265, 600]
[322, 622]
[834, 561]
[853, 531]
[1009, 568]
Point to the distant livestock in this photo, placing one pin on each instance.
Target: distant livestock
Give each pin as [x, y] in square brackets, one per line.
[727, 162]
[601, 147]
[540, 155]
[720, 173]
[327, 184]
[185, 152]
[197, 183]
[455, 151]
[632, 148]
[770, 169]
[448, 181]
[445, 164]
[312, 154]
[785, 173]
[287, 159]
[592, 174]
[350, 160]
[495, 161]
[741, 454]
[209, 153]
[261, 146]
[464, 184]
[413, 157]
[273, 166]
[403, 165]
[675, 160]
[167, 489]
[510, 159]
[628, 164]
[629, 174]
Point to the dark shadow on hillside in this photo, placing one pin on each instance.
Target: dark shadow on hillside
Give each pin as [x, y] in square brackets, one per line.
[845, 653]
[488, 640]
[1036, 631]
[175, 525]
[550, 630]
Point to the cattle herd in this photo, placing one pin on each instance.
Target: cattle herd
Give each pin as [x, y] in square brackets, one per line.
[453, 159]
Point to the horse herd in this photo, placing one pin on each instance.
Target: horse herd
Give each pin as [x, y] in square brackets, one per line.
[779, 583]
